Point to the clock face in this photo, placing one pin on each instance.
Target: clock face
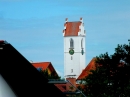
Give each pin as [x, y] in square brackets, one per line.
[71, 51]
[82, 51]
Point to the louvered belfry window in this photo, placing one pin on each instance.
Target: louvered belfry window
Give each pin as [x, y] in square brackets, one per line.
[71, 43]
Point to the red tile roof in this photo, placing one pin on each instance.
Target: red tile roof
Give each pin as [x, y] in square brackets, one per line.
[80, 85]
[72, 28]
[43, 65]
[62, 87]
[86, 71]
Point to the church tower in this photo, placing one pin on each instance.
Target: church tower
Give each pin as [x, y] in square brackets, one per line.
[74, 48]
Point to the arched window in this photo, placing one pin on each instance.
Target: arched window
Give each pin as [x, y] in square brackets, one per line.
[71, 43]
[71, 70]
[82, 43]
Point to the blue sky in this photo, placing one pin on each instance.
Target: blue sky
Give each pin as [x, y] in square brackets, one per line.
[34, 27]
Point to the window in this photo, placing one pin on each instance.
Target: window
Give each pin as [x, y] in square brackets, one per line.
[71, 58]
[82, 43]
[39, 68]
[71, 70]
[71, 43]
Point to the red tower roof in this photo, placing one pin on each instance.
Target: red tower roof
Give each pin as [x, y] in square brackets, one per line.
[72, 28]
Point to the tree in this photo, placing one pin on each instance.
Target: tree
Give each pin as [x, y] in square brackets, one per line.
[112, 75]
[49, 76]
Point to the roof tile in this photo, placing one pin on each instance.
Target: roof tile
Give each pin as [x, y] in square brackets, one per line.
[72, 28]
[43, 65]
[62, 87]
[86, 71]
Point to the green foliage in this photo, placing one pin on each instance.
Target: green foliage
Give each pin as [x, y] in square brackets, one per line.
[112, 75]
[49, 76]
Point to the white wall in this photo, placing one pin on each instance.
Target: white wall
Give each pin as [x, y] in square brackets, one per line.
[78, 60]
[5, 90]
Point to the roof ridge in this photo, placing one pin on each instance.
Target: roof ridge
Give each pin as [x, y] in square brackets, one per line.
[72, 21]
[40, 62]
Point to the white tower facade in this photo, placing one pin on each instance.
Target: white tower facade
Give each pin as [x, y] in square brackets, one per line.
[74, 48]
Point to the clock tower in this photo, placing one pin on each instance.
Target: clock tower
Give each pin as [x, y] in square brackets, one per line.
[74, 48]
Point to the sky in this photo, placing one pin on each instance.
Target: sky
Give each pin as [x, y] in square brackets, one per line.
[34, 27]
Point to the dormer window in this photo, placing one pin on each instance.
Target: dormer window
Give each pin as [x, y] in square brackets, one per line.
[71, 43]
[39, 69]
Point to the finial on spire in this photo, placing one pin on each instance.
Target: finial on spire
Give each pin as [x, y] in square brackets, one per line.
[81, 19]
[66, 20]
